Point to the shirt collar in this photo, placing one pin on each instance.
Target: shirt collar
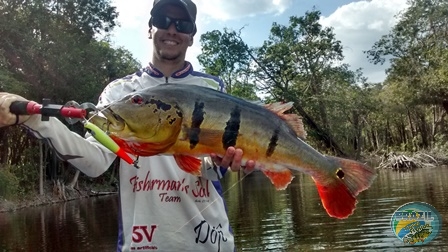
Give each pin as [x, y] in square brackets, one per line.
[181, 73]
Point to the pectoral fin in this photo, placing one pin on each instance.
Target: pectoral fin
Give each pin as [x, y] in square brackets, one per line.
[280, 179]
[188, 164]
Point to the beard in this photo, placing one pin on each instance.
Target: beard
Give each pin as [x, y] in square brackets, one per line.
[164, 54]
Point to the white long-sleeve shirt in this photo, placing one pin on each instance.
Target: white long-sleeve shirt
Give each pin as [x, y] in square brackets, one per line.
[162, 208]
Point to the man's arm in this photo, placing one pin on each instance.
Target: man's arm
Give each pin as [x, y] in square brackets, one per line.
[88, 155]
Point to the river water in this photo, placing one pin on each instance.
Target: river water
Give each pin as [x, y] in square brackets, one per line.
[262, 218]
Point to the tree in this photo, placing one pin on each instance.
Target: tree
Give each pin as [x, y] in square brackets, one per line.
[48, 49]
[297, 63]
[417, 81]
[224, 54]
[300, 63]
[417, 50]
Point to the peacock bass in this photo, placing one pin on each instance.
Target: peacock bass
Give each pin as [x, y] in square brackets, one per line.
[189, 121]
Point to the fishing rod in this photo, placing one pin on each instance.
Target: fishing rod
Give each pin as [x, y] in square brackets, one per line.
[73, 112]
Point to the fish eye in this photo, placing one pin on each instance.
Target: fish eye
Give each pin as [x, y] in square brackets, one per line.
[340, 173]
[137, 99]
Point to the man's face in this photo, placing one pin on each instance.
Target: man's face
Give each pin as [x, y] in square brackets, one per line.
[169, 44]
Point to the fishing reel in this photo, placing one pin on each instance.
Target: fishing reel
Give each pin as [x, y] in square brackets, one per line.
[72, 111]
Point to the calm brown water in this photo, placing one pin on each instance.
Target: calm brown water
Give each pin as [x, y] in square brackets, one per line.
[262, 218]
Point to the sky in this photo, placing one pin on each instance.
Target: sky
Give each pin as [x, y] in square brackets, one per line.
[357, 24]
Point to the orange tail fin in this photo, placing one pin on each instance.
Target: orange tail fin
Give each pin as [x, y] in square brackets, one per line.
[338, 193]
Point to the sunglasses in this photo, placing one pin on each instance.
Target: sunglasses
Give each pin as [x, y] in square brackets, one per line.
[182, 26]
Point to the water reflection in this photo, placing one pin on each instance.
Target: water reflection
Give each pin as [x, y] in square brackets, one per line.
[82, 225]
[294, 220]
[263, 219]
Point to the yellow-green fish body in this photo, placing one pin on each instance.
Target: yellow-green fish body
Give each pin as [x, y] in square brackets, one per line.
[188, 121]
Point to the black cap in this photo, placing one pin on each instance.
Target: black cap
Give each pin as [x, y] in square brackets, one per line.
[188, 5]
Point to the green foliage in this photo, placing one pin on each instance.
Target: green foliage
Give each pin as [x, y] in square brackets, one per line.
[417, 50]
[59, 58]
[224, 54]
[300, 62]
[297, 63]
[9, 184]
[416, 89]
[342, 112]
[245, 91]
[50, 49]
[441, 143]
[7, 80]
[299, 57]
[27, 172]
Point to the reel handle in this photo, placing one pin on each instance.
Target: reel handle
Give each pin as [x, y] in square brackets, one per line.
[46, 109]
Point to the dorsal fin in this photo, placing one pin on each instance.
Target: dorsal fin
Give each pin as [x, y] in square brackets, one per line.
[293, 120]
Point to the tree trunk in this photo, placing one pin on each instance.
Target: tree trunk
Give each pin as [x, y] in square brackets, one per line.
[374, 141]
[424, 130]
[322, 135]
[59, 189]
[41, 169]
[387, 136]
[358, 141]
[4, 146]
[445, 106]
[356, 127]
[72, 184]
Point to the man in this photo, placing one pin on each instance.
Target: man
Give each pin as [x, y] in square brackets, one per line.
[162, 207]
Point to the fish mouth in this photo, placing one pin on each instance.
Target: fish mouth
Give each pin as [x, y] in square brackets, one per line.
[108, 120]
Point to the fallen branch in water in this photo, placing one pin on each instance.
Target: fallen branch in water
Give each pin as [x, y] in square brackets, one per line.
[95, 193]
[404, 163]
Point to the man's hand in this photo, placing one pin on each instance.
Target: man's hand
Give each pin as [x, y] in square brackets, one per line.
[233, 159]
[6, 117]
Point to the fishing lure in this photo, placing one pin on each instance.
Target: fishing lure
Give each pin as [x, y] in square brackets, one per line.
[107, 142]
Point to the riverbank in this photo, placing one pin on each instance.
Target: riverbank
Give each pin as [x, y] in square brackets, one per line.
[53, 194]
[57, 192]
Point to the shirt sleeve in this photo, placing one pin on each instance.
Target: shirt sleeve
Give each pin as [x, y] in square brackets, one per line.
[87, 155]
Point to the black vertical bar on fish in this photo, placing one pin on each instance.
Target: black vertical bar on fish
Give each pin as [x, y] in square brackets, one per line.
[232, 128]
[272, 143]
[196, 120]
